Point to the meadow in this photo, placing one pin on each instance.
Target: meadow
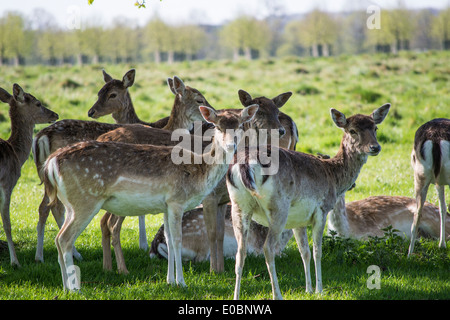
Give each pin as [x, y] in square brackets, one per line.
[417, 86]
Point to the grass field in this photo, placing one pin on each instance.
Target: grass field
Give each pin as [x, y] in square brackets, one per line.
[417, 85]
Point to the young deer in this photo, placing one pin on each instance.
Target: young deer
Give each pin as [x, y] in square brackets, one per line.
[129, 179]
[368, 217]
[194, 241]
[25, 111]
[430, 160]
[113, 98]
[301, 193]
[267, 117]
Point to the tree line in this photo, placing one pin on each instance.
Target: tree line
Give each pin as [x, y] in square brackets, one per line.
[40, 40]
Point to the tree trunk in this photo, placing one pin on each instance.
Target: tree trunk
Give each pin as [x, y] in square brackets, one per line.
[325, 50]
[170, 57]
[315, 50]
[157, 57]
[248, 53]
[235, 54]
[80, 59]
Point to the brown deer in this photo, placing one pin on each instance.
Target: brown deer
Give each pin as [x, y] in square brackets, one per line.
[301, 193]
[195, 239]
[25, 112]
[430, 160]
[267, 117]
[368, 217]
[114, 98]
[137, 179]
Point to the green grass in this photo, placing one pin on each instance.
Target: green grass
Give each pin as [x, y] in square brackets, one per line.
[415, 84]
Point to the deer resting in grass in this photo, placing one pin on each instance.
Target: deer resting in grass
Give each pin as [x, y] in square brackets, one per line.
[368, 217]
[430, 160]
[127, 179]
[301, 193]
[113, 98]
[25, 111]
[195, 239]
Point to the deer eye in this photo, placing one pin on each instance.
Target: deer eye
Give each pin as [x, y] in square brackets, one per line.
[352, 131]
[112, 95]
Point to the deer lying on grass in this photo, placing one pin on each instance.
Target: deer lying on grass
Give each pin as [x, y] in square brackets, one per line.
[194, 241]
[127, 179]
[25, 111]
[113, 98]
[301, 193]
[430, 160]
[368, 217]
[267, 117]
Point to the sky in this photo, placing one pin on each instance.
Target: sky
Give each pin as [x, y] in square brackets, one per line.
[215, 12]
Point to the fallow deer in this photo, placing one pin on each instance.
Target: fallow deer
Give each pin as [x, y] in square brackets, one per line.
[301, 193]
[113, 98]
[25, 112]
[430, 160]
[129, 179]
[368, 217]
[267, 117]
[194, 240]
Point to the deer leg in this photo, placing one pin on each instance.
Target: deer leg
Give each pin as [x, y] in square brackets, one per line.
[301, 238]
[175, 215]
[421, 189]
[106, 241]
[5, 203]
[443, 210]
[317, 234]
[77, 220]
[44, 211]
[143, 243]
[170, 256]
[210, 211]
[116, 227]
[273, 237]
[221, 212]
[241, 226]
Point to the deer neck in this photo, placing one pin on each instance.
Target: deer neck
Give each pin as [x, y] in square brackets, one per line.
[21, 136]
[346, 165]
[127, 115]
[178, 118]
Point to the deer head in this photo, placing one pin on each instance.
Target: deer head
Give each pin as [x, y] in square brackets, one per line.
[26, 107]
[361, 130]
[268, 110]
[113, 96]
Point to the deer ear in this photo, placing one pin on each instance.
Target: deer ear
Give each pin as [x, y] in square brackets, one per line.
[170, 84]
[106, 77]
[208, 114]
[5, 96]
[178, 85]
[128, 78]
[338, 118]
[381, 113]
[281, 99]
[245, 97]
[18, 93]
[248, 113]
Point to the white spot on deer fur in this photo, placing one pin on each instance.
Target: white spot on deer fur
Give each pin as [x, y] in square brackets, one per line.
[87, 170]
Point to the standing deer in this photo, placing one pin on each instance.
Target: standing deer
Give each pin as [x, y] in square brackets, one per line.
[25, 111]
[194, 241]
[113, 98]
[128, 179]
[267, 117]
[430, 160]
[301, 193]
[368, 217]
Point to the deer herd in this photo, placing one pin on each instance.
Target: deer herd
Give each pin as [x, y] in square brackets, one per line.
[221, 200]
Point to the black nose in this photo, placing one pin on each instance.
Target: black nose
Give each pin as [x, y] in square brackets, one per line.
[91, 113]
[375, 148]
[282, 131]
